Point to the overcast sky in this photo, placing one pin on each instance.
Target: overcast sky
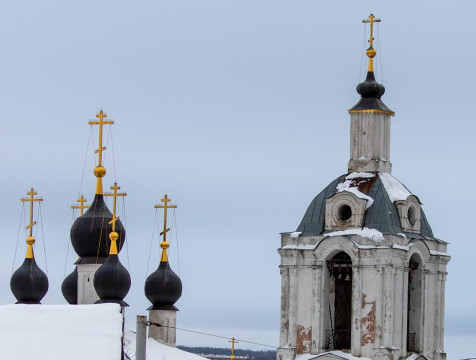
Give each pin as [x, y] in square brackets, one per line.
[237, 109]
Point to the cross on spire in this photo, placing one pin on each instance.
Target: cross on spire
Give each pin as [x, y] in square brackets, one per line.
[371, 51]
[30, 240]
[114, 195]
[81, 205]
[101, 123]
[371, 21]
[164, 245]
[233, 342]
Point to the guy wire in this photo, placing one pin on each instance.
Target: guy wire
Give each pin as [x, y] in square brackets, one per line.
[40, 216]
[22, 213]
[85, 159]
[151, 242]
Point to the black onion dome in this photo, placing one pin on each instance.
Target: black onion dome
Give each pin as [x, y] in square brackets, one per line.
[29, 283]
[112, 281]
[163, 288]
[69, 288]
[371, 92]
[90, 232]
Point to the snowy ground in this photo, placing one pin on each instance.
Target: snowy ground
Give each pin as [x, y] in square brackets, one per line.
[156, 350]
[60, 332]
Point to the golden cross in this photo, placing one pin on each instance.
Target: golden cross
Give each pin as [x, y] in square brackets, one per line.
[233, 342]
[81, 205]
[31, 199]
[101, 122]
[114, 195]
[371, 20]
[30, 240]
[165, 200]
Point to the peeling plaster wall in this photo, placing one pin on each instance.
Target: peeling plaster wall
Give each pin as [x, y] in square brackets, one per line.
[379, 295]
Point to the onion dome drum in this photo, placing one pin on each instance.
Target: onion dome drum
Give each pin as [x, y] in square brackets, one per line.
[29, 283]
[89, 233]
[112, 281]
[163, 288]
[69, 288]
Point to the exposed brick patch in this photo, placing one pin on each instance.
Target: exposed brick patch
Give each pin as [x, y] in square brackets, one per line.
[368, 322]
[303, 340]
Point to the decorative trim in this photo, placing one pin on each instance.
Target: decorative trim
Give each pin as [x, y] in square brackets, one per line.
[372, 111]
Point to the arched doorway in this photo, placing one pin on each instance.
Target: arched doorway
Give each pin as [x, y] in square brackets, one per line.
[339, 309]
[414, 303]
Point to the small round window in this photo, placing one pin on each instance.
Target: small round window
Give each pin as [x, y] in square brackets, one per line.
[344, 213]
[411, 216]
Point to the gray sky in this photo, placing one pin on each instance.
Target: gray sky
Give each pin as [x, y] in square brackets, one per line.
[238, 111]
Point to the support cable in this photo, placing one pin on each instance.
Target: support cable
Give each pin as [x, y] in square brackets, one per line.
[40, 216]
[150, 323]
[362, 58]
[123, 214]
[380, 50]
[67, 248]
[85, 159]
[174, 227]
[22, 214]
[151, 242]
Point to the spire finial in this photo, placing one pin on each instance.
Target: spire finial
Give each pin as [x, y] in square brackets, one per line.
[164, 244]
[233, 342]
[81, 205]
[114, 235]
[371, 51]
[99, 170]
[30, 240]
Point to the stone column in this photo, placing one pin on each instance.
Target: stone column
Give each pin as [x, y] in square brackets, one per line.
[166, 334]
[317, 306]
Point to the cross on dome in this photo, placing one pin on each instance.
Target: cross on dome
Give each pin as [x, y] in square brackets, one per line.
[30, 240]
[81, 205]
[164, 245]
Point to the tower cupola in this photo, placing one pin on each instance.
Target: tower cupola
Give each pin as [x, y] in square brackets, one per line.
[29, 283]
[163, 288]
[112, 280]
[370, 121]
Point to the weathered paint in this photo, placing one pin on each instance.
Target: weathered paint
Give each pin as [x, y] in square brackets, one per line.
[303, 340]
[368, 322]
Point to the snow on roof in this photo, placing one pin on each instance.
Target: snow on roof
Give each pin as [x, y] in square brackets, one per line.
[351, 186]
[372, 234]
[394, 188]
[59, 332]
[156, 350]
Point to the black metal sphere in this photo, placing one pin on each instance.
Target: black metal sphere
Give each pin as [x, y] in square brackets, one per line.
[90, 232]
[69, 288]
[163, 288]
[29, 283]
[112, 281]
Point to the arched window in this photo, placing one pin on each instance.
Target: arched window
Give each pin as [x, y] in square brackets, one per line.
[414, 303]
[338, 318]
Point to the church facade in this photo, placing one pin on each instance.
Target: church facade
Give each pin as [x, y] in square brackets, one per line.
[363, 274]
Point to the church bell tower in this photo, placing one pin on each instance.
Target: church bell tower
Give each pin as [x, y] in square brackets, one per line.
[363, 275]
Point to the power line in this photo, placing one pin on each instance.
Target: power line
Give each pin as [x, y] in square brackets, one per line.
[149, 323]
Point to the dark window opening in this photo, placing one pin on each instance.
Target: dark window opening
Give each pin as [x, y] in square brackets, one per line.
[338, 334]
[411, 216]
[414, 305]
[344, 213]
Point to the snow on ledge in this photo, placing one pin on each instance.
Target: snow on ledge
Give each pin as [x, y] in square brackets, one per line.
[59, 332]
[295, 235]
[395, 190]
[438, 253]
[362, 175]
[299, 247]
[372, 234]
[340, 354]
